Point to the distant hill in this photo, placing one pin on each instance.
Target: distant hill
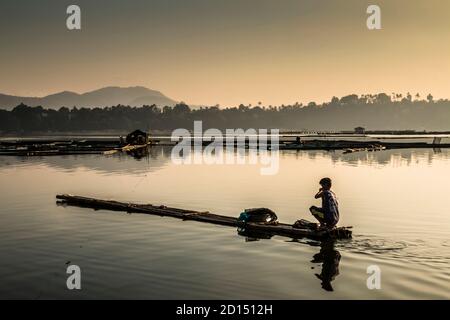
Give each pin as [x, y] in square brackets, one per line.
[109, 96]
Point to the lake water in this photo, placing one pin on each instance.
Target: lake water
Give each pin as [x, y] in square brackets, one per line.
[395, 200]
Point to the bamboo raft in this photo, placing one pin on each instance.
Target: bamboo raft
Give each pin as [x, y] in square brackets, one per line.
[279, 229]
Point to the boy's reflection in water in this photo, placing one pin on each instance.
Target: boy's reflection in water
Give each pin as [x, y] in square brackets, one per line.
[330, 258]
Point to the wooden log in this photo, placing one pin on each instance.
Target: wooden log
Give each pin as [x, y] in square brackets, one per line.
[281, 229]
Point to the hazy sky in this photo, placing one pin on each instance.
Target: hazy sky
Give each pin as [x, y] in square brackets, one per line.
[227, 51]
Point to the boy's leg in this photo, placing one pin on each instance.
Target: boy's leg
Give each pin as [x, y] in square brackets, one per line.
[318, 214]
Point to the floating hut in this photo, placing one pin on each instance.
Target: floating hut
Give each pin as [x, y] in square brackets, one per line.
[137, 137]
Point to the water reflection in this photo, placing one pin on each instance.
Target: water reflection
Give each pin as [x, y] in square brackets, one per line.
[251, 236]
[155, 158]
[146, 161]
[380, 158]
[397, 226]
[141, 153]
[330, 258]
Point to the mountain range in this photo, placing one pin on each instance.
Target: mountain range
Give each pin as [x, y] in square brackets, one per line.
[108, 96]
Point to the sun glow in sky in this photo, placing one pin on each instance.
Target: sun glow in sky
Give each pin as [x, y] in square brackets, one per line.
[227, 51]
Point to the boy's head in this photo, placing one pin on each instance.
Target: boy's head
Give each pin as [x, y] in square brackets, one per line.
[325, 183]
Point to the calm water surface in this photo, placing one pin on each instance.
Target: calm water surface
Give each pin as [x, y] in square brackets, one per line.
[396, 201]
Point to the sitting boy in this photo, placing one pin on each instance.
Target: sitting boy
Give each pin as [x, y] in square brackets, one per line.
[328, 215]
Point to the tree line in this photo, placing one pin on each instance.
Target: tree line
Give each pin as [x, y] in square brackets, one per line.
[375, 112]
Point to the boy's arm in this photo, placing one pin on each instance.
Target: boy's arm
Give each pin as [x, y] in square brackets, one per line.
[319, 194]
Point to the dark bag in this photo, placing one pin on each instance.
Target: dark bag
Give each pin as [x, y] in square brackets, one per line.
[258, 215]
